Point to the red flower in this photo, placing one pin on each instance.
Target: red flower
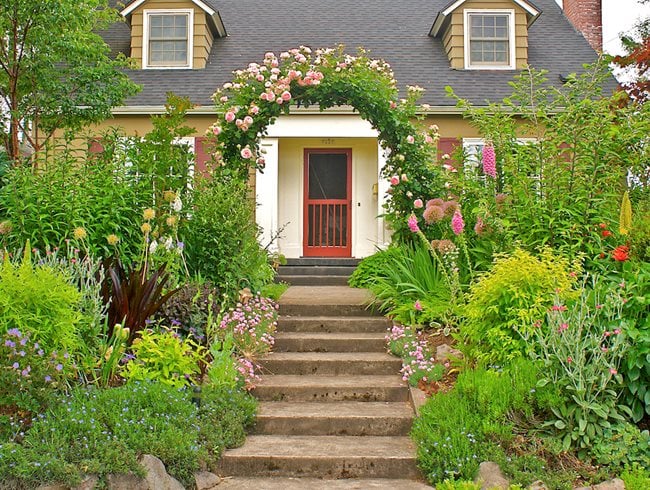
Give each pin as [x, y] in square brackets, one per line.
[603, 226]
[621, 253]
[606, 233]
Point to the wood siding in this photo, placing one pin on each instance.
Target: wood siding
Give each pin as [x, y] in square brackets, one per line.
[202, 40]
[453, 37]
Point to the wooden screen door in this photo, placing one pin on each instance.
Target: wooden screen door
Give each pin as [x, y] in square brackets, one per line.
[328, 187]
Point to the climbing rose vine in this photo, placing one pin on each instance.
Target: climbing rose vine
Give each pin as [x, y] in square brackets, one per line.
[326, 78]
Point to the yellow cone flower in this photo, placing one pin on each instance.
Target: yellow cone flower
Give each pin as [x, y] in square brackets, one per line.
[625, 220]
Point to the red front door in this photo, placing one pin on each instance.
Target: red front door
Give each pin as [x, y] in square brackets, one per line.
[328, 213]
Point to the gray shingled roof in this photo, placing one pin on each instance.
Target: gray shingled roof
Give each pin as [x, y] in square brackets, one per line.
[396, 31]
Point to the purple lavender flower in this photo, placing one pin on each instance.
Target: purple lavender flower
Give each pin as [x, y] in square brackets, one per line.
[9, 343]
[14, 332]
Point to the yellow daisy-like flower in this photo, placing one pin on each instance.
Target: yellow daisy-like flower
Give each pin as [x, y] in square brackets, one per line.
[79, 233]
[169, 196]
[112, 239]
[171, 221]
[146, 228]
[148, 214]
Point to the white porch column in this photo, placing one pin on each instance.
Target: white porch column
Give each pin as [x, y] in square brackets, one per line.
[383, 234]
[266, 190]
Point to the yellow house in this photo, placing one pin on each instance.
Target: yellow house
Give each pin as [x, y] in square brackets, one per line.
[191, 48]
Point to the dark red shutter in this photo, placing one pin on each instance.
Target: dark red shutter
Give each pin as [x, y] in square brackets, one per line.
[201, 156]
[448, 146]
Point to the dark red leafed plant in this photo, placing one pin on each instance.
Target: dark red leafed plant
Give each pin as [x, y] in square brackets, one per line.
[132, 297]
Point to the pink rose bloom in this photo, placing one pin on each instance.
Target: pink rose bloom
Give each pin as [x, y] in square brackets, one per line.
[261, 162]
[457, 223]
[413, 224]
[246, 153]
[428, 139]
[224, 99]
[394, 180]
[216, 130]
[286, 96]
[417, 204]
[417, 305]
[254, 110]
[260, 78]
[410, 139]
[279, 100]
[393, 104]
[248, 120]
[489, 161]
[230, 116]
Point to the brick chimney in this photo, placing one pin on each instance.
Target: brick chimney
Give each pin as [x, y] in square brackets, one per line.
[587, 17]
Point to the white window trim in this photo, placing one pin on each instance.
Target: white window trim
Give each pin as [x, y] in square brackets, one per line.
[145, 38]
[512, 38]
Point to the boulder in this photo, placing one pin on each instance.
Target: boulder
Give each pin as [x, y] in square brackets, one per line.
[490, 477]
[615, 484]
[537, 485]
[444, 352]
[156, 478]
[206, 480]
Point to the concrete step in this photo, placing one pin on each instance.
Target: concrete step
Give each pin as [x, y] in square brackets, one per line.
[330, 342]
[329, 457]
[324, 261]
[316, 270]
[312, 280]
[329, 419]
[330, 363]
[333, 310]
[333, 324]
[298, 388]
[243, 483]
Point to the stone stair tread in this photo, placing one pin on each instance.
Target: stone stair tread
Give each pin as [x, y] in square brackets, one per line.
[347, 381]
[332, 335]
[331, 357]
[322, 318]
[344, 410]
[326, 447]
[325, 295]
[276, 483]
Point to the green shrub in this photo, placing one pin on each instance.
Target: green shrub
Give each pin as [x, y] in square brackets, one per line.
[164, 357]
[104, 431]
[221, 238]
[40, 301]
[510, 300]
[636, 477]
[622, 445]
[453, 428]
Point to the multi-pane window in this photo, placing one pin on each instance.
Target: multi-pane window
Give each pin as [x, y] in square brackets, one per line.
[489, 39]
[169, 40]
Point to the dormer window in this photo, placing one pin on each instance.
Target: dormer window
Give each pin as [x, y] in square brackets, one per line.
[489, 41]
[168, 38]
[176, 35]
[477, 38]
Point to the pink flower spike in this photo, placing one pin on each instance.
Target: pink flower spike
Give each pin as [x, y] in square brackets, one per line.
[569, 359]
[417, 204]
[457, 223]
[413, 224]
[417, 305]
[489, 161]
